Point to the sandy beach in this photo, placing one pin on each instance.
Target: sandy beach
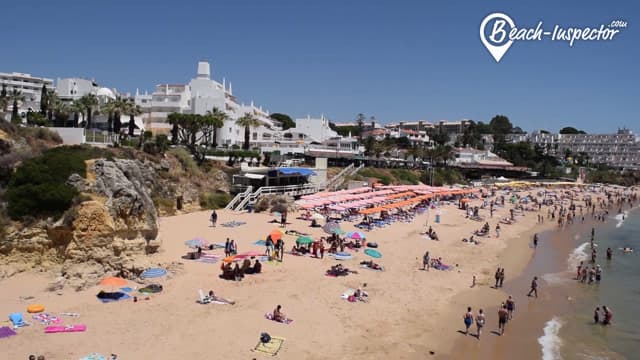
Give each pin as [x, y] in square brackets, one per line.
[412, 314]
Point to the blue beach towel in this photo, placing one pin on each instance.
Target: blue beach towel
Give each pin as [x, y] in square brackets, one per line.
[17, 320]
[126, 289]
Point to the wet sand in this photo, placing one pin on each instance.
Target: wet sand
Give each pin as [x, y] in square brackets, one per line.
[531, 315]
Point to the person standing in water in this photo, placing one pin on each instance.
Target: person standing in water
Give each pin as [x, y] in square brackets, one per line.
[480, 319]
[596, 315]
[608, 316]
[535, 240]
[609, 253]
[468, 320]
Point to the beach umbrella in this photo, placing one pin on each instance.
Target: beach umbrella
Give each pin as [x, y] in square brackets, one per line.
[275, 234]
[357, 235]
[197, 242]
[153, 273]
[330, 226]
[113, 281]
[304, 240]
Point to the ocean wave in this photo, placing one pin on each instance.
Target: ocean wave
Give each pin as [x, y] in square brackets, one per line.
[578, 254]
[620, 218]
[551, 341]
[556, 278]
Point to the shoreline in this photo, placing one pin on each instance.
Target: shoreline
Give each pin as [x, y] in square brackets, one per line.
[523, 336]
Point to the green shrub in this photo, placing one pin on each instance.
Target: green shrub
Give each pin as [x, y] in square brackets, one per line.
[38, 187]
[374, 173]
[444, 176]
[185, 158]
[214, 200]
[165, 205]
[405, 176]
[162, 142]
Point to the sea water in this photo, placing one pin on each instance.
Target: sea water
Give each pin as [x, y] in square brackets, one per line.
[574, 335]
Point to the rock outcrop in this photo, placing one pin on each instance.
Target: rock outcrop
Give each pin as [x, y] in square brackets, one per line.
[113, 222]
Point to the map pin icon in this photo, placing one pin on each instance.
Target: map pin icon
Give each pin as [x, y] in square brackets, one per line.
[499, 28]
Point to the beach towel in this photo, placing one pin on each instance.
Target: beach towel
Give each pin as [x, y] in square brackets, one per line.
[17, 320]
[126, 289]
[94, 356]
[6, 331]
[271, 348]
[46, 319]
[269, 316]
[347, 294]
[209, 258]
[68, 328]
[108, 300]
[70, 314]
[368, 267]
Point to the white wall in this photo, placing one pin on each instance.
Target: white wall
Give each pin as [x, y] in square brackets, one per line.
[70, 136]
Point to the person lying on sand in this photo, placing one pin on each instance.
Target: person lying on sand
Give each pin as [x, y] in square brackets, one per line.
[371, 265]
[212, 297]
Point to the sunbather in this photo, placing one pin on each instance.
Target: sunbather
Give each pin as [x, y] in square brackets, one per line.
[212, 297]
[371, 265]
[278, 315]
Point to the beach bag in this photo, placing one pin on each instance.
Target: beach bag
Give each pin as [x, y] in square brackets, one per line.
[265, 338]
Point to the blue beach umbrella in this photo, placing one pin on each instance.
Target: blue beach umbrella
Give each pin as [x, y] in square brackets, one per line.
[153, 273]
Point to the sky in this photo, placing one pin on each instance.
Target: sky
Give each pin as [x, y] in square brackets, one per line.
[395, 60]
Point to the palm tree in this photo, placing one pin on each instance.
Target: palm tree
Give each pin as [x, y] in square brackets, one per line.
[14, 96]
[116, 107]
[89, 102]
[247, 121]
[132, 110]
[78, 109]
[218, 118]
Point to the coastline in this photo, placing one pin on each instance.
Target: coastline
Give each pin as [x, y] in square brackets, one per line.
[533, 333]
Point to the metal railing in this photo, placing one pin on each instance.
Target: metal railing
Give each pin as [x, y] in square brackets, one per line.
[247, 197]
[239, 197]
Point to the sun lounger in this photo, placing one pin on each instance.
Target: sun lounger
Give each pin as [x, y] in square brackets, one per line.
[68, 328]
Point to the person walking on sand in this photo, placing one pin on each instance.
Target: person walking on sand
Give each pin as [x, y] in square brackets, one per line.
[511, 306]
[501, 280]
[497, 230]
[468, 320]
[214, 218]
[534, 287]
[579, 273]
[480, 319]
[473, 281]
[497, 277]
[425, 261]
[503, 316]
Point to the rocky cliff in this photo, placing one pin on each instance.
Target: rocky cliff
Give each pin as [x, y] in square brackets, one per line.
[112, 223]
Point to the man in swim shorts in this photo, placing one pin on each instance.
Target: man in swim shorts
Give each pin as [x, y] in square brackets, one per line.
[534, 287]
[511, 306]
[503, 316]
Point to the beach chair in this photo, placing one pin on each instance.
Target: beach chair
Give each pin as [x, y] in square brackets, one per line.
[17, 320]
[203, 299]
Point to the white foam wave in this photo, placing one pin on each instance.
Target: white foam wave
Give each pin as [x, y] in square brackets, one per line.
[620, 218]
[556, 278]
[550, 341]
[577, 255]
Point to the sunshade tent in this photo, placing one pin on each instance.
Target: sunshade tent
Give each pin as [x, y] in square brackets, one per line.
[330, 226]
[304, 240]
[317, 216]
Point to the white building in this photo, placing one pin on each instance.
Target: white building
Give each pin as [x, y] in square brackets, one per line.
[30, 86]
[70, 89]
[201, 95]
[312, 129]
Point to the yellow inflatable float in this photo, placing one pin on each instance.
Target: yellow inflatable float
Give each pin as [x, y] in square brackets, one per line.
[35, 308]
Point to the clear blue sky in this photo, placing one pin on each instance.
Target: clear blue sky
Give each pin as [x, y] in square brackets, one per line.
[396, 60]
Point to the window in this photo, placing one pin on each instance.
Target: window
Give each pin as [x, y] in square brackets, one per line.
[255, 136]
